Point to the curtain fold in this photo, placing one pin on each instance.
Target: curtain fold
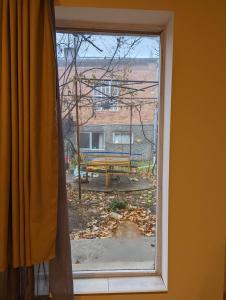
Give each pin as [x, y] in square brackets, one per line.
[34, 241]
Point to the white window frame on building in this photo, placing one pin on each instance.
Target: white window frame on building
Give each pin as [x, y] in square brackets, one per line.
[122, 133]
[146, 22]
[104, 94]
[90, 133]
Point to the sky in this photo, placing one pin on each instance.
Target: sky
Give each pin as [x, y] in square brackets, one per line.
[101, 45]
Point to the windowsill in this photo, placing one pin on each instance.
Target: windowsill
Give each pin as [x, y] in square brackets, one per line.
[114, 285]
[104, 111]
[90, 149]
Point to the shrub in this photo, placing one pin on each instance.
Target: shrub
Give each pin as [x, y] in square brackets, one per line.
[118, 205]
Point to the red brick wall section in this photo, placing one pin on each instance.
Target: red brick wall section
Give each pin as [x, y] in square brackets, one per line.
[122, 115]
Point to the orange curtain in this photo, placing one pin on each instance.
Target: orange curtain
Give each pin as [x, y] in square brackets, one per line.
[28, 134]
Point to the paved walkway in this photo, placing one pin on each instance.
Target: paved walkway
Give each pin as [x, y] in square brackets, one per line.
[113, 253]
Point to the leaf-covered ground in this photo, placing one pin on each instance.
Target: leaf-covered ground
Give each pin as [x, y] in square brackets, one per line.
[100, 215]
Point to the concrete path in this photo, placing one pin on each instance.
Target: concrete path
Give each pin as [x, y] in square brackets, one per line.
[113, 253]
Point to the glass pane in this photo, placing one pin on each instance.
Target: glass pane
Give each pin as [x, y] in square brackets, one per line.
[101, 141]
[84, 140]
[117, 138]
[122, 138]
[97, 140]
[125, 138]
[113, 220]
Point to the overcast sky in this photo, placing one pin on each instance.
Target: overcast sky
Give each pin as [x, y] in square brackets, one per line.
[145, 47]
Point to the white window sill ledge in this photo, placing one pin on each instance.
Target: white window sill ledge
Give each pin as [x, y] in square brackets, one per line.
[141, 284]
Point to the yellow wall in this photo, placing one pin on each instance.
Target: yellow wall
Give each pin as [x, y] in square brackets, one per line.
[198, 148]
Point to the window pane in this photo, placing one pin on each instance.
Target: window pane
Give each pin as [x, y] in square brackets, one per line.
[125, 138]
[122, 138]
[97, 140]
[117, 138]
[112, 204]
[84, 140]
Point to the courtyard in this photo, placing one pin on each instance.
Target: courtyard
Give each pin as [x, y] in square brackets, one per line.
[114, 228]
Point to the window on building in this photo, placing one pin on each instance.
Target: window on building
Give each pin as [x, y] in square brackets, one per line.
[105, 95]
[122, 138]
[92, 140]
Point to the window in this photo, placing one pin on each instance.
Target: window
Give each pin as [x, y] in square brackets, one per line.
[140, 277]
[105, 94]
[109, 208]
[85, 138]
[122, 138]
[92, 140]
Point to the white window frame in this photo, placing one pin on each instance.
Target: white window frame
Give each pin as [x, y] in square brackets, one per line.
[97, 95]
[122, 132]
[91, 140]
[140, 22]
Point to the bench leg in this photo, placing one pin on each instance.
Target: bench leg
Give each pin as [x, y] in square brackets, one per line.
[87, 180]
[107, 179]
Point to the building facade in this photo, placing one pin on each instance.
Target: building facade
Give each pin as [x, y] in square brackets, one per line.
[117, 112]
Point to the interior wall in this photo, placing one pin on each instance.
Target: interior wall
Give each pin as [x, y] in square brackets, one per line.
[225, 274]
[198, 148]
